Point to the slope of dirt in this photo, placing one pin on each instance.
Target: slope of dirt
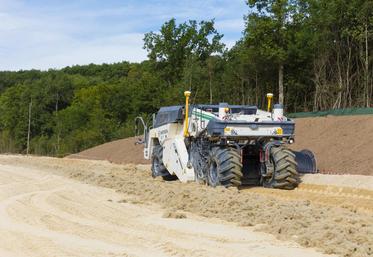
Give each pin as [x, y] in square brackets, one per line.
[342, 144]
[42, 214]
[123, 151]
[337, 219]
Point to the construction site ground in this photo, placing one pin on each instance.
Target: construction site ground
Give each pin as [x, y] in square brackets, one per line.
[67, 207]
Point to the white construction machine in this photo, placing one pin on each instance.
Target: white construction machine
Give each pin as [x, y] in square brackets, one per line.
[227, 145]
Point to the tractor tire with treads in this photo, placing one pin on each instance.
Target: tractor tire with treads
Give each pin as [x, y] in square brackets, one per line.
[285, 175]
[224, 167]
[158, 168]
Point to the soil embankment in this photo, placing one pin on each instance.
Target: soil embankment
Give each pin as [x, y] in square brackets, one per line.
[342, 145]
[123, 151]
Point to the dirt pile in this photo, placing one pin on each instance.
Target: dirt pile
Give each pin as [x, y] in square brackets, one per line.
[123, 151]
[344, 228]
[342, 145]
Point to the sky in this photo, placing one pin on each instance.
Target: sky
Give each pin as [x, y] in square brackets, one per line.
[51, 34]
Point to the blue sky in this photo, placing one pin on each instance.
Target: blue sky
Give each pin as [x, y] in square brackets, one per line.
[45, 34]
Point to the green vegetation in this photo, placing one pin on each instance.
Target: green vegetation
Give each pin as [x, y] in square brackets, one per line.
[313, 54]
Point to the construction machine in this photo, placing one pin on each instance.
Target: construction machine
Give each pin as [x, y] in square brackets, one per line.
[225, 145]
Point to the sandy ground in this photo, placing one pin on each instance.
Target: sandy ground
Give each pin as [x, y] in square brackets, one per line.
[355, 181]
[44, 213]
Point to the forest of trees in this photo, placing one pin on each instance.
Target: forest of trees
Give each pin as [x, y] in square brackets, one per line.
[312, 54]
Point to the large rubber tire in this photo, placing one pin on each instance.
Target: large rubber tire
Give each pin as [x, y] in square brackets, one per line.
[158, 166]
[285, 175]
[224, 167]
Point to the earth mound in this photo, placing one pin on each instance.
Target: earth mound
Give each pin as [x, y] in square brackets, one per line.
[342, 145]
[123, 151]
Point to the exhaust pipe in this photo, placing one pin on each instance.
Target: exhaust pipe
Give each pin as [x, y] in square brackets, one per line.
[306, 161]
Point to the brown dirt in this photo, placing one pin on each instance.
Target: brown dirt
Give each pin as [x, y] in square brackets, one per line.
[336, 218]
[342, 144]
[123, 151]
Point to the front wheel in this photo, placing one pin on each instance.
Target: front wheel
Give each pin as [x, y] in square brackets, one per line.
[224, 167]
[158, 168]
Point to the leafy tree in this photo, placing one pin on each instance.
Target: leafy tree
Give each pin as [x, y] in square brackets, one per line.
[175, 44]
[270, 29]
[323, 48]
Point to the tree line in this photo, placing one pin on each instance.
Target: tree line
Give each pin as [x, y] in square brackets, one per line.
[313, 54]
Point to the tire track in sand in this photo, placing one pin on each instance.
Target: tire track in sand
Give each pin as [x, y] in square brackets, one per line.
[47, 215]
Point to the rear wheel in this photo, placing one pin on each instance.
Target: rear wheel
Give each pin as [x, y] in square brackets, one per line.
[285, 175]
[224, 167]
[158, 168]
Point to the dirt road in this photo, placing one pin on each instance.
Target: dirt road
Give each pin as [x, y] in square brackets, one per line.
[45, 214]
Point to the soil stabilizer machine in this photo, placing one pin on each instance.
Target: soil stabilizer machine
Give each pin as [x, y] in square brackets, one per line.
[225, 145]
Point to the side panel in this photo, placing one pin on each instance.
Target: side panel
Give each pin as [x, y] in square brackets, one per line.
[175, 153]
[250, 129]
[175, 158]
[148, 150]
[254, 130]
[160, 134]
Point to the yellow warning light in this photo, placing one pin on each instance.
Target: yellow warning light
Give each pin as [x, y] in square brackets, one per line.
[186, 122]
[279, 131]
[269, 99]
[227, 129]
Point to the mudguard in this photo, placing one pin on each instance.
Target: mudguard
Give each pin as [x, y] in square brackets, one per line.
[306, 161]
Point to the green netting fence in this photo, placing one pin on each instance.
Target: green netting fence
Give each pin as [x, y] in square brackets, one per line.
[336, 112]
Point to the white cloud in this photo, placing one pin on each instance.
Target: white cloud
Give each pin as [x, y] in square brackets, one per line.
[77, 32]
[106, 50]
[70, 52]
[231, 24]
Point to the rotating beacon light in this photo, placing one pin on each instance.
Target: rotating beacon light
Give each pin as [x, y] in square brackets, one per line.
[278, 112]
[269, 100]
[186, 124]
